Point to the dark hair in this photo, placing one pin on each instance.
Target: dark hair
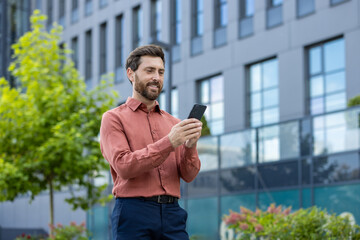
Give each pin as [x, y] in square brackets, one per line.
[133, 60]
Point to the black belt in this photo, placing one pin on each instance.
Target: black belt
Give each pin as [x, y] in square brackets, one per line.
[161, 199]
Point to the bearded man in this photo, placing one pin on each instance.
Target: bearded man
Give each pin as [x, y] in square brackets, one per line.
[148, 151]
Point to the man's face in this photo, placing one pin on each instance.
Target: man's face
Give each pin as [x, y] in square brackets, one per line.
[149, 77]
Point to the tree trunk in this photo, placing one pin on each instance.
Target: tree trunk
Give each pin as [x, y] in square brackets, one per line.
[51, 207]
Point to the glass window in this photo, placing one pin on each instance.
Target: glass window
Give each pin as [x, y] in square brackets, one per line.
[62, 13]
[119, 49]
[75, 51]
[339, 168]
[198, 18]
[103, 3]
[263, 94]
[176, 22]
[278, 175]
[208, 153]
[237, 179]
[205, 184]
[287, 198]
[197, 26]
[49, 13]
[221, 19]
[174, 102]
[274, 13]
[221, 13]
[75, 11]
[279, 142]
[234, 202]
[88, 56]
[327, 80]
[237, 149]
[211, 94]
[98, 222]
[137, 27]
[156, 20]
[305, 7]
[203, 219]
[339, 199]
[306, 171]
[246, 27]
[336, 132]
[88, 7]
[335, 2]
[175, 29]
[102, 47]
[38, 4]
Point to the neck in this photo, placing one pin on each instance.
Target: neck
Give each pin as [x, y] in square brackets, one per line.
[150, 104]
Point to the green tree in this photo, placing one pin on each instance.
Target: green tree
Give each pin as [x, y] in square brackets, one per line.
[49, 124]
[205, 131]
[354, 101]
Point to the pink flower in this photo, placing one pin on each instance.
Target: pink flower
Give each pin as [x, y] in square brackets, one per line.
[245, 210]
[253, 220]
[83, 224]
[73, 223]
[287, 211]
[244, 226]
[258, 228]
[278, 209]
[257, 212]
[59, 225]
[28, 237]
[271, 208]
[234, 217]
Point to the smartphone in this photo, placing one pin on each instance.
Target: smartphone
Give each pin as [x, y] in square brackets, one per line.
[197, 111]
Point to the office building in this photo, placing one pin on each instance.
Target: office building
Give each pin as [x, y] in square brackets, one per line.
[276, 76]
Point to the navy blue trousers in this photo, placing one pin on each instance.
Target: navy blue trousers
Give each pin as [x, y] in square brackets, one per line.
[137, 219]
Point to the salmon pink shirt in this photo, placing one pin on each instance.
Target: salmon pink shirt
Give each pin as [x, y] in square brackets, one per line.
[143, 162]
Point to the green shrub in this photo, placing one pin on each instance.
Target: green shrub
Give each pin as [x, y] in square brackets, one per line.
[60, 232]
[303, 224]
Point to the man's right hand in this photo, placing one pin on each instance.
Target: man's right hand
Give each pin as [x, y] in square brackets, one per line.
[185, 130]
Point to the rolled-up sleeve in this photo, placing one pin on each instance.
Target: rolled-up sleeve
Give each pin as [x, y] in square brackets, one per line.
[126, 163]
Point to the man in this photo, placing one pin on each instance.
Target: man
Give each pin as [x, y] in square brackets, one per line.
[148, 151]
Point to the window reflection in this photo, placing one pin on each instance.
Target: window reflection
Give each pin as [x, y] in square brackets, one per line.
[212, 94]
[264, 96]
[279, 142]
[336, 168]
[237, 149]
[208, 153]
[237, 179]
[327, 77]
[336, 132]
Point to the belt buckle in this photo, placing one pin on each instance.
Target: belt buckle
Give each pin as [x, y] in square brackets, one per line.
[159, 199]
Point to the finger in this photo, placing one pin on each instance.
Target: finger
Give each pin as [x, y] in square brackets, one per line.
[191, 126]
[188, 121]
[192, 131]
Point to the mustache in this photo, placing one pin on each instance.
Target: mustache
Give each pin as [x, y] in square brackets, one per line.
[154, 83]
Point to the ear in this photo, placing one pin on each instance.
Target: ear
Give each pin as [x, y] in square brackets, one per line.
[130, 74]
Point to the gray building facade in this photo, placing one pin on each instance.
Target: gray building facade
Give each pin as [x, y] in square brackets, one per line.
[276, 76]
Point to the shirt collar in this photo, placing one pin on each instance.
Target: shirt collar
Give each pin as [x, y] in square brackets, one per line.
[135, 104]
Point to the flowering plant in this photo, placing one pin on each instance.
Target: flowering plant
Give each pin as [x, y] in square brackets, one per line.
[271, 223]
[60, 232]
[71, 232]
[278, 223]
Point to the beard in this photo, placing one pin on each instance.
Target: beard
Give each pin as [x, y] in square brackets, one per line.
[144, 91]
